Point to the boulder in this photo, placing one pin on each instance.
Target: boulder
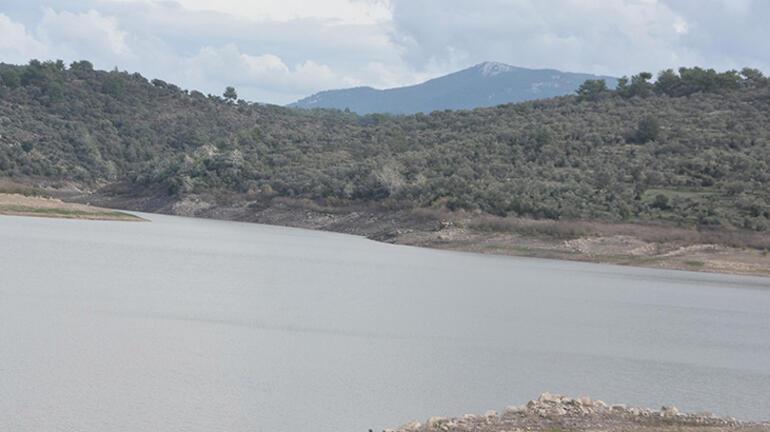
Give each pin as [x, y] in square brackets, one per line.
[669, 411]
[437, 423]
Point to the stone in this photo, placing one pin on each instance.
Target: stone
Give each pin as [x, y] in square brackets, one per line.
[669, 411]
[548, 397]
[515, 410]
[410, 427]
[436, 422]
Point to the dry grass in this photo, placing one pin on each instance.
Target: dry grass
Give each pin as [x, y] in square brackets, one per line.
[25, 205]
[11, 187]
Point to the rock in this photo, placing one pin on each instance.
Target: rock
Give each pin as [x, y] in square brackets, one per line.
[558, 411]
[490, 413]
[547, 397]
[410, 427]
[582, 413]
[437, 423]
[513, 410]
[669, 411]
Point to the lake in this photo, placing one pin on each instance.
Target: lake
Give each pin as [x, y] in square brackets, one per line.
[198, 325]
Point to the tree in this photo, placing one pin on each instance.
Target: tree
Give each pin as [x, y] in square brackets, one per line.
[113, 85]
[668, 83]
[754, 77]
[647, 130]
[10, 78]
[230, 94]
[82, 66]
[592, 90]
[639, 85]
[697, 79]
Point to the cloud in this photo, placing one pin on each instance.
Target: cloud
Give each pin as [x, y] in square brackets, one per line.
[281, 50]
[602, 36]
[227, 65]
[16, 44]
[726, 33]
[362, 12]
[89, 31]
[608, 36]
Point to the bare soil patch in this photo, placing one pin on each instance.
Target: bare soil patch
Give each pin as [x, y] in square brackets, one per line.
[21, 205]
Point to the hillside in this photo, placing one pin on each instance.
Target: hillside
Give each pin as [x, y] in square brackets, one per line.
[484, 85]
[691, 152]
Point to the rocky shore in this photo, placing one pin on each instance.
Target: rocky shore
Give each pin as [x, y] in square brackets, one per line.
[561, 413]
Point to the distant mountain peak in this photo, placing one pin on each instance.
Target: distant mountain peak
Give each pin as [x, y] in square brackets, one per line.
[485, 84]
[491, 68]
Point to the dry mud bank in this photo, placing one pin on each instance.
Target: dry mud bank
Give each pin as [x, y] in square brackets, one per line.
[20, 205]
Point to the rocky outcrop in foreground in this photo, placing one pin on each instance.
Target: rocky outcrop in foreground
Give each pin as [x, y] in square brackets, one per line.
[561, 413]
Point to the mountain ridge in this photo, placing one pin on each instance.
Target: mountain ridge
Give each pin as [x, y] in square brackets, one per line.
[482, 85]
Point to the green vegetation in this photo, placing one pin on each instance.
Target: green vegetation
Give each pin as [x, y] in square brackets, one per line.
[690, 148]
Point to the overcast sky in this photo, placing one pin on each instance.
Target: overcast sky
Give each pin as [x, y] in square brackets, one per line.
[281, 50]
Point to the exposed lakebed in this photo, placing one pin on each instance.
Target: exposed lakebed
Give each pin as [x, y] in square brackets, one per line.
[199, 325]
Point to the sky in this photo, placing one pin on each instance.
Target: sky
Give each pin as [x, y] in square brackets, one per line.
[278, 51]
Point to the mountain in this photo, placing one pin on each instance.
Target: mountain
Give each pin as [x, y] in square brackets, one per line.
[483, 85]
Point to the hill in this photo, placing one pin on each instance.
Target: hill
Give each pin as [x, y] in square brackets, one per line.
[486, 84]
[690, 152]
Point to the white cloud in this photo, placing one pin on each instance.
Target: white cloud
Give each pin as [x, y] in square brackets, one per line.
[608, 36]
[336, 11]
[680, 26]
[88, 31]
[281, 50]
[16, 44]
[227, 65]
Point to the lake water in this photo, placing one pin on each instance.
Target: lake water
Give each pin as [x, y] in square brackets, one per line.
[198, 325]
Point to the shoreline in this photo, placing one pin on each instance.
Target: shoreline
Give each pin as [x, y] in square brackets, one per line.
[657, 246]
[561, 413]
[638, 245]
[14, 204]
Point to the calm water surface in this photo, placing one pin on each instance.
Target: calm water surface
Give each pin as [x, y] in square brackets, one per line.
[196, 325]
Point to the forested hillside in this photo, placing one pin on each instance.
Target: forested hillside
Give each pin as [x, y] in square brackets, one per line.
[690, 148]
